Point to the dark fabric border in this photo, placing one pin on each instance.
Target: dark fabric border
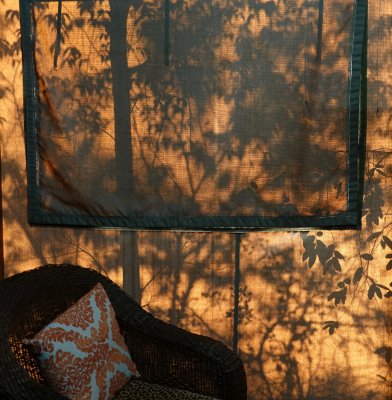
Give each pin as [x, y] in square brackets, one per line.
[356, 131]
[30, 106]
[222, 223]
[363, 117]
[357, 118]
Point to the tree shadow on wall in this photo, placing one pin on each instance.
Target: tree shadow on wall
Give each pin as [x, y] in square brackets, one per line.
[290, 348]
[199, 136]
[173, 134]
[187, 280]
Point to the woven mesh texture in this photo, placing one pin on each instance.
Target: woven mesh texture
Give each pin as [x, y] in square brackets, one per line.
[165, 110]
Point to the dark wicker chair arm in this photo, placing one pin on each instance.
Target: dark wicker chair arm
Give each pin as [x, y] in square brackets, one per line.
[178, 358]
[163, 353]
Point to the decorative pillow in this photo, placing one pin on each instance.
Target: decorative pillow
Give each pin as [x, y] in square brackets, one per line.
[139, 390]
[82, 354]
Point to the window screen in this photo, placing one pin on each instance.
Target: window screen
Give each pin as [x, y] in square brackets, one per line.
[192, 114]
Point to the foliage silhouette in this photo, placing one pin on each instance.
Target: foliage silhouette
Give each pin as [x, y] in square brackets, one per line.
[179, 130]
[166, 121]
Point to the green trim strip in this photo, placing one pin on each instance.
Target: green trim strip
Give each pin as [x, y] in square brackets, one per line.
[57, 48]
[357, 86]
[222, 223]
[320, 30]
[167, 31]
[30, 107]
[363, 118]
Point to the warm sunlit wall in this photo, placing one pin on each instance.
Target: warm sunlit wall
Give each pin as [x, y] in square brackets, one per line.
[187, 279]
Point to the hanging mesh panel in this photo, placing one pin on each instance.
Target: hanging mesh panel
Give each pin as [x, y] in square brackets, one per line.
[197, 115]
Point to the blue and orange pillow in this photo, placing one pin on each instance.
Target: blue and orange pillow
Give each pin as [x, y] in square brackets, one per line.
[82, 354]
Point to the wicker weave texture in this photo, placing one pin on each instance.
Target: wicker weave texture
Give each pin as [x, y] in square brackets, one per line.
[164, 354]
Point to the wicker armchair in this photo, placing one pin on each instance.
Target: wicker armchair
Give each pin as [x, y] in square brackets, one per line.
[163, 353]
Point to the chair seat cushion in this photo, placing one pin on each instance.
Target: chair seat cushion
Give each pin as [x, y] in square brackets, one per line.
[140, 390]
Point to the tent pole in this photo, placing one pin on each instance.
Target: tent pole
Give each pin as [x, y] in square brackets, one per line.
[1, 223]
[237, 280]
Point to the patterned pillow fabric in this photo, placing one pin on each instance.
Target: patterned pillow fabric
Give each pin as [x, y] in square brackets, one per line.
[82, 354]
